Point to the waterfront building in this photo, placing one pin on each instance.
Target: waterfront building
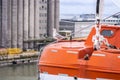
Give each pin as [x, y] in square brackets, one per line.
[84, 17]
[22, 22]
[78, 28]
[81, 26]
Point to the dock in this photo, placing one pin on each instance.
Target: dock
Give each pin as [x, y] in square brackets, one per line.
[24, 57]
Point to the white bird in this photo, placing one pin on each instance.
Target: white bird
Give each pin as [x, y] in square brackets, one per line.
[56, 35]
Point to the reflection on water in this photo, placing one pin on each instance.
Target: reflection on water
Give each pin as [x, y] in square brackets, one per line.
[19, 72]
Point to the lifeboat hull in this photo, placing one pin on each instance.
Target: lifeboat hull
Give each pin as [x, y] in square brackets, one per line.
[78, 59]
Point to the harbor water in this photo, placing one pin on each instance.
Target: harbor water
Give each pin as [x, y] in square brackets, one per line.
[19, 72]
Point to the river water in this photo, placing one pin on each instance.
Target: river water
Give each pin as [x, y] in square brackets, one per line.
[19, 72]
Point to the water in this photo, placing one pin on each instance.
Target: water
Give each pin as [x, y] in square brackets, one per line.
[19, 72]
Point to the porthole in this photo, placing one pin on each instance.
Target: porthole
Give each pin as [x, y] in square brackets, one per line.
[107, 33]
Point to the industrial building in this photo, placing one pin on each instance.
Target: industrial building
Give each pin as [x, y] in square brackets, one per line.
[24, 21]
[78, 28]
[81, 26]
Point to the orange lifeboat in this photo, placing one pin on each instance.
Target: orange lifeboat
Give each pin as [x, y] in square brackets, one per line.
[76, 58]
[97, 57]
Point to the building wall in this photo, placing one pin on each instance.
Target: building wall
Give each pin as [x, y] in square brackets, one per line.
[78, 28]
[31, 23]
[53, 21]
[25, 24]
[4, 23]
[36, 19]
[20, 24]
[9, 23]
[50, 17]
[66, 25]
[24, 21]
[1, 22]
[14, 23]
[43, 8]
[56, 11]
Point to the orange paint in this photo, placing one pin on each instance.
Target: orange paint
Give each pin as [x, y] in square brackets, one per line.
[77, 57]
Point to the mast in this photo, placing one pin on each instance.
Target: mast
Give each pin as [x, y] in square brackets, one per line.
[98, 39]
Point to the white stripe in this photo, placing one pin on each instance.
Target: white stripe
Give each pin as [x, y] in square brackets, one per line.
[103, 55]
[54, 50]
[45, 72]
[74, 52]
[63, 74]
[103, 79]
[57, 77]
[118, 56]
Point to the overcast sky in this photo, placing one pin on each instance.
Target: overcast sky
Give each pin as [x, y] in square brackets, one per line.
[87, 6]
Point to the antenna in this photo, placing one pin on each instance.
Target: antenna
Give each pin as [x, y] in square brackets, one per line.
[97, 7]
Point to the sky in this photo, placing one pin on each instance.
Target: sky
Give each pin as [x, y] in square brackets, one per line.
[87, 6]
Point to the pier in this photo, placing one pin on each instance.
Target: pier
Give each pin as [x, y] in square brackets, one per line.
[24, 57]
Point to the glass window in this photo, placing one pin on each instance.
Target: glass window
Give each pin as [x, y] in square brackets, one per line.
[42, 7]
[107, 33]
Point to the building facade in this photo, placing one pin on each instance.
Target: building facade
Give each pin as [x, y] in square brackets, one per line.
[78, 28]
[82, 25]
[24, 21]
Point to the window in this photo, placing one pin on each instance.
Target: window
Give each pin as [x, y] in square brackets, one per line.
[107, 33]
[40, 35]
[45, 35]
[42, 7]
[45, 1]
